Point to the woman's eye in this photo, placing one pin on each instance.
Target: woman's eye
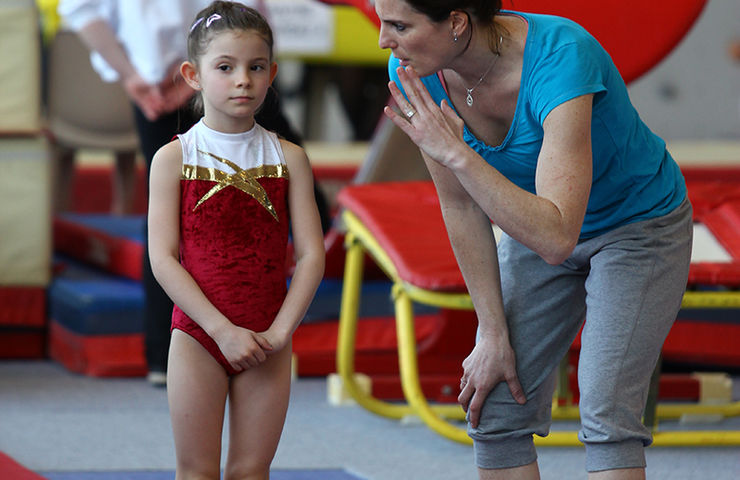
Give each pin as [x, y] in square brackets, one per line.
[399, 27]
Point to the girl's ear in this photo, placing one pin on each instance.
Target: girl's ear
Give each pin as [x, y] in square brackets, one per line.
[190, 74]
[273, 71]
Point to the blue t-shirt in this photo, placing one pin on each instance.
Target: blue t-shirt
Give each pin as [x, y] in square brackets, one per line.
[634, 176]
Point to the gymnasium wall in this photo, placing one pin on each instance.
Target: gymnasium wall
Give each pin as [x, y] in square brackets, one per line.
[694, 94]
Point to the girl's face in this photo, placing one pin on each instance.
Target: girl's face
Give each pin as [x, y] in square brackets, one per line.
[233, 75]
[412, 37]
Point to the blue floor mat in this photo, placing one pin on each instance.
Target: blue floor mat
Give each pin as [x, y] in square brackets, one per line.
[170, 475]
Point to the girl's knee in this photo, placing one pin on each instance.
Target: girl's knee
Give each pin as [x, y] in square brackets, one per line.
[247, 471]
[197, 472]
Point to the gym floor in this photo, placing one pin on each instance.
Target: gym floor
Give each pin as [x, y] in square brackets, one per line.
[52, 420]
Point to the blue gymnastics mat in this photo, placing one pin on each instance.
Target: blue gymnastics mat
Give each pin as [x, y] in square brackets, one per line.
[170, 475]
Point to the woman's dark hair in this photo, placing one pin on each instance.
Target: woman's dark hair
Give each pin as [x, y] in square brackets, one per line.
[438, 10]
[478, 11]
[220, 16]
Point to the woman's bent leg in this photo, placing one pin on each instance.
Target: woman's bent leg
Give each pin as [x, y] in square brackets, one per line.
[544, 306]
[634, 292]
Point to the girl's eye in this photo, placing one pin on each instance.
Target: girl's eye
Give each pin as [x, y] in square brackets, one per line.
[258, 68]
[224, 68]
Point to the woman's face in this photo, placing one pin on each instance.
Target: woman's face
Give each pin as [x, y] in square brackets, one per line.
[412, 37]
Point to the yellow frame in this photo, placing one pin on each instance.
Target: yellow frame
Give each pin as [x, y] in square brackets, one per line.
[360, 240]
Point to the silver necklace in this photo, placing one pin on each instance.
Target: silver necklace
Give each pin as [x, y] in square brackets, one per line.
[469, 98]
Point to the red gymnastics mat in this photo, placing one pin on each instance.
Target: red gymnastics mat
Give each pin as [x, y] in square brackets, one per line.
[405, 220]
[12, 470]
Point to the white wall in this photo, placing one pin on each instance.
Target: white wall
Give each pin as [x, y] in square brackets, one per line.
[694, 94]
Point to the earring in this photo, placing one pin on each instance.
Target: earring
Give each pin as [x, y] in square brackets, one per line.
[455, 37]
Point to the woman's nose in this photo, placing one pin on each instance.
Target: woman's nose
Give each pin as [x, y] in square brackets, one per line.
[383, 38]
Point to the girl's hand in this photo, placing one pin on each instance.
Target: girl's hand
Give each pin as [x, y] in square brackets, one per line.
[489, 364]
[276, 339]
[243, 348]
[436, 130]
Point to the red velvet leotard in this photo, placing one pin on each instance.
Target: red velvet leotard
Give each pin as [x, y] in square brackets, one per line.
[234, 227]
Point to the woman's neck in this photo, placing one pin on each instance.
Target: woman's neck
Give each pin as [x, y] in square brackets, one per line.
[484, 48]
[477, 54]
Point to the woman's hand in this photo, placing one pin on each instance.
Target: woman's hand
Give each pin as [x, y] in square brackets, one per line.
[242, 347]
[489, 364]
[175, 91]
[436, 129]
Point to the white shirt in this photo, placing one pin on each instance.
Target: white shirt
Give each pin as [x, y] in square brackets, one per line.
[152, 32]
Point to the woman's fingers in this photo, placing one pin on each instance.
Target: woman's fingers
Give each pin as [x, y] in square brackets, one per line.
[414, 88]
[404, 105]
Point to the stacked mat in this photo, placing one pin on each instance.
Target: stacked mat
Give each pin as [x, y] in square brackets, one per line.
[96, 304]
[96, 300]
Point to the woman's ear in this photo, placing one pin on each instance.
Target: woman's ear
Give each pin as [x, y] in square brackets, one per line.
[190, 74]
[458, 21]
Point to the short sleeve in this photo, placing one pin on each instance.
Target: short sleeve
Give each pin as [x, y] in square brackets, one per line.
[76, 14]
[573, 69]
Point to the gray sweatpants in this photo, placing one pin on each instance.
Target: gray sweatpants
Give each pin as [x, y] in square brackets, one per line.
[628, 285]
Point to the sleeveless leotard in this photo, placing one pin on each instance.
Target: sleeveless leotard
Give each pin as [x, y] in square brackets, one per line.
[233, 227]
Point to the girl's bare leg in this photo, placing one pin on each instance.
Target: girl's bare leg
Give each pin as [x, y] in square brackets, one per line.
[197, 386]
[258, 402]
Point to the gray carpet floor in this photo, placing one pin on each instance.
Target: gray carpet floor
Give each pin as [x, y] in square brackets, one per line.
[52, 420]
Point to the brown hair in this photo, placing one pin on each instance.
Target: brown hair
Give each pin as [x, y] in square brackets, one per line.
[218, 17]
[479, 11]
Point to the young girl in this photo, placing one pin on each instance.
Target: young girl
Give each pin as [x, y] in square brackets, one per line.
[223, 198]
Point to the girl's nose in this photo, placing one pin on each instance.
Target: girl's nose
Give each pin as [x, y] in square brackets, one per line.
[243, 79]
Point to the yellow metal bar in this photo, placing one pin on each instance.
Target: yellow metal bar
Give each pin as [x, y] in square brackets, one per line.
[665, 411]
[692, 299]
[347, 332]
[696, 438]
[410, 371]
[459, 301]
[420, 295]
[359, 231]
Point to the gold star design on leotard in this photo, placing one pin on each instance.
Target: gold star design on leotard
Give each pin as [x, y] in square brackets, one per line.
[244, 180]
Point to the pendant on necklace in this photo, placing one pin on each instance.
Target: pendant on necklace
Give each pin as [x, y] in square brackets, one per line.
[469, 99]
